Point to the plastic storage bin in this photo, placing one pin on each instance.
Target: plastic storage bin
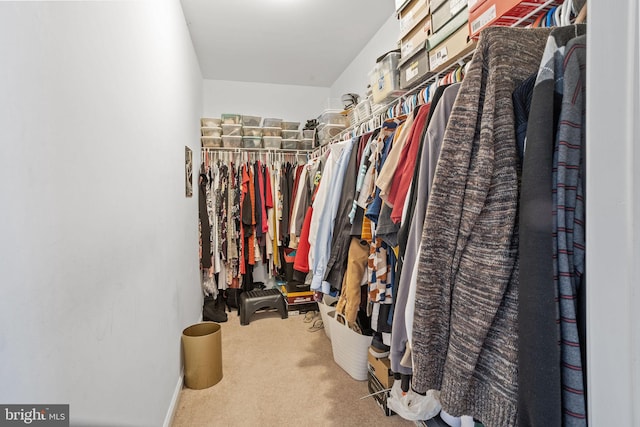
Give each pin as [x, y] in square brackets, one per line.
[290, 144]
[251, 120]
[252, 131]
[231, 119]
[231, 129]
[272, 141]
[290, 125]
[210, 121]
[272, 123]
[385, 78]
[211, 131]
[251, 142]
[271, 131]
[327, 132]
[333, 117]
[308, 133]
[231, 141]
[290, 134]
[305, 144]
[211, 141]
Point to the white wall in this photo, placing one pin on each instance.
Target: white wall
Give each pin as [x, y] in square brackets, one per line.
[355, 78]
[98, 244]
[288, 102]
[613, 213]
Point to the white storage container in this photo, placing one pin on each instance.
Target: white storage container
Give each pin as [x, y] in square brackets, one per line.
[229, 141]
[290, 144]
[251, 142]
[211, 131]
[206, 122]
[211, 141]
[290, 125]
[290, 134]
[231, 129]
[231, 119]
[252, 131]
[272, 141]
[308, 133]
[251, 120]
[271, 131]
[327, 132]
[333, 117]
[272, 123]
[305, 144]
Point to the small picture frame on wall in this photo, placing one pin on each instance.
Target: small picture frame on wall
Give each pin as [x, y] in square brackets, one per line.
[188, 171]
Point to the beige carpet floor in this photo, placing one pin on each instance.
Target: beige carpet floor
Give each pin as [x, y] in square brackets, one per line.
[276, 373]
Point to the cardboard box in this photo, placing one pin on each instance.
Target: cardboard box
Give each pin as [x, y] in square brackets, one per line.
[381, 368]
[295, 309]
[436, 4]
[412, 15]
[202, 351]
[449, 51]
[474, 4]
[401, 4]
[502, 13]
[416, 37]
[415, 67]
[460, 20]
[380, 396]
[296, 297]
[445, 13]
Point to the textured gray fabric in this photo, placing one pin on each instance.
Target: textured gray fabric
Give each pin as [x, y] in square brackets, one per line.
[427, 163]
[465, 324]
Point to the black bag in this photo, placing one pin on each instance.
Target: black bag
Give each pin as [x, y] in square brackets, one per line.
[232, 297]
[211, 310]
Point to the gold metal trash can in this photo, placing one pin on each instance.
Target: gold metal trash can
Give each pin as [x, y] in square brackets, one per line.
[202, 350]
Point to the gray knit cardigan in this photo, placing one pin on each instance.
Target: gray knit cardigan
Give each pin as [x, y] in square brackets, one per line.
[465, 325]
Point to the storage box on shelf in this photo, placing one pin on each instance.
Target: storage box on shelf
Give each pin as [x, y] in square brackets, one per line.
[446, 12]
[327, 132]
[251, 142]
[290, 125]
[231, 119]
[252, 131]
[271, 131]
[309, 133]
[211, 131]
[460, 20]
[333, 117]
[290, 144]
[211, 141]
[411, 15]
[272, 123]
[384, 78]
[414, 67]
[272, 141]
[231, 141]
[290, 134]
[504, 13]
[306, 144]
[447, 53]
[415, 37]
[231, 129]
[210, 122]
[251, 120]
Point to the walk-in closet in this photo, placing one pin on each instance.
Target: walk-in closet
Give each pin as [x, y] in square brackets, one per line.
[293, 212]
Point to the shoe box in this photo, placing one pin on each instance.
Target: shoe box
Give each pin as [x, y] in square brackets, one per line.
[379, 393]
[300, 297]
[301, 308]
[381, 369]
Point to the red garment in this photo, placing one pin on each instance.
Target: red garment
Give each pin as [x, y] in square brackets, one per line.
[252, 237]
[301, 262]
[407, 163]
[269, 198]
[244, 189]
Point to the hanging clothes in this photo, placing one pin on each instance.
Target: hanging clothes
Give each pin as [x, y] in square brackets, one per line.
[465, 334]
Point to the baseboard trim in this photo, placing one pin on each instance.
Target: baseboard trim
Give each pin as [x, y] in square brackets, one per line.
[171, 412]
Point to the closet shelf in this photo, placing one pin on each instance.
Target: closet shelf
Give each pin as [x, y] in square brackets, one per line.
[258, 150]
[381, 113]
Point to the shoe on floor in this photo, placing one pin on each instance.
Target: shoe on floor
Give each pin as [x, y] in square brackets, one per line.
[309, 316]
[316, 326]
[377, 348]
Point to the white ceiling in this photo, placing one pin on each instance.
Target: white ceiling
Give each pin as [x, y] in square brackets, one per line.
[299, 42]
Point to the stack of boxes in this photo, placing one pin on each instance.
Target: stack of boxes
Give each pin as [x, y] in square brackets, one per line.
[272, 133]
[231, 130]
[251, 132]
[211, 132]
[484, 13]
[380, 378]
[290, 135]
[299, 301]
[330, 124]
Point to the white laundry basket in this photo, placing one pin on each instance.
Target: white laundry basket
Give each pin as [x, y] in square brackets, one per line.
[327, 313]
[350, 349]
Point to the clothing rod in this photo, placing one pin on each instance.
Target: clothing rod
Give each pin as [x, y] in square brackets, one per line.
[257, 150]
